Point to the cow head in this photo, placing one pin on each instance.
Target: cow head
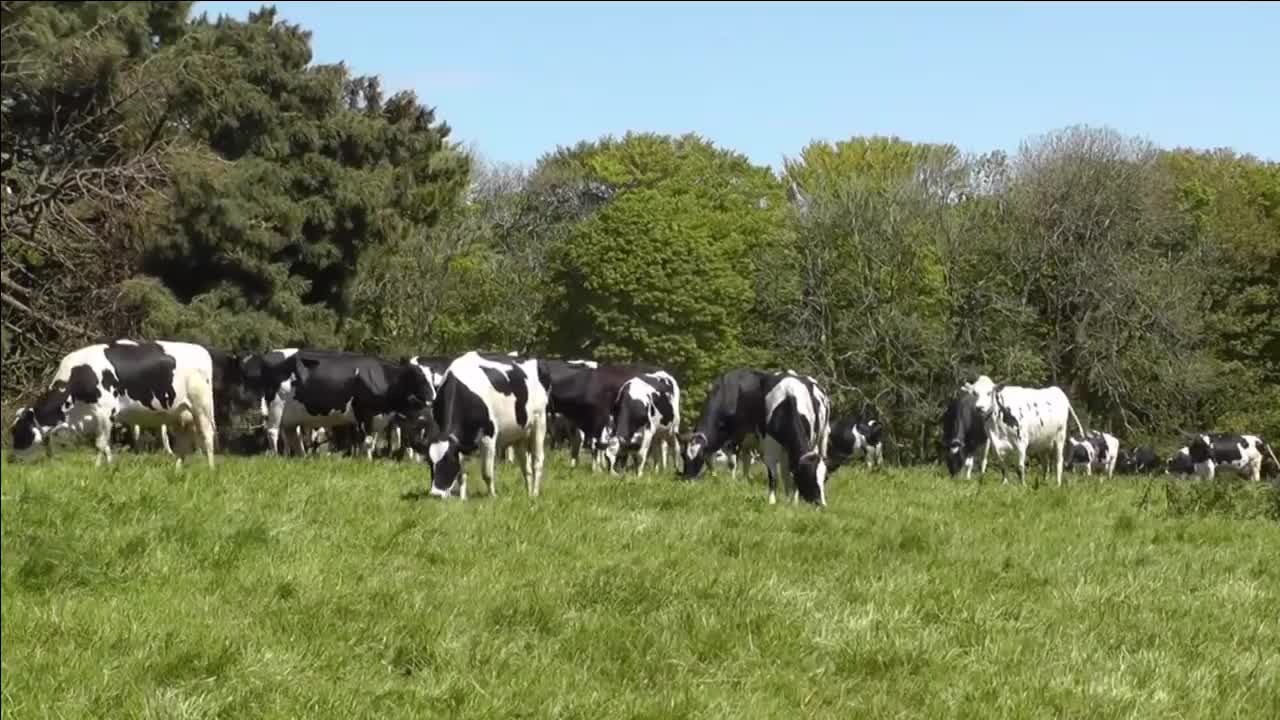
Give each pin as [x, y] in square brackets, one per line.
[445, 457]
[695, 456]
[1200, 448]
[810, 476]
[33, 425]
[983, 391]
[955, 457]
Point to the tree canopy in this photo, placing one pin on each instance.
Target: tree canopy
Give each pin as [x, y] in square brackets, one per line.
[204, 179]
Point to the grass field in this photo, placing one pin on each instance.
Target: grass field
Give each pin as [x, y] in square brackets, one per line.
[313, 589]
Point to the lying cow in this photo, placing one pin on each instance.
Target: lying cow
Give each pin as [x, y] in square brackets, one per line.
[486, 404]
[146, 385]
[1142, 459]
[1243, 454]
[1024, 420]
[647, 409]
[963, 434]
[851, 437]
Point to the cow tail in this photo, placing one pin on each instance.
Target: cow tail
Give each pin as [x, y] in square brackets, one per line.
[1079, 427]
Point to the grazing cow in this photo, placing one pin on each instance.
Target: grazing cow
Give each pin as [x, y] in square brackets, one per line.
[797, 430]
[1242, 453]
[1142, 459]
[584, 392]
[647, 409]
[963, 433]
[1080, 455]
[314, 388]
[732, 413]
[850, 437]
[1106, 451]
[1024, 420]
[145, 385]
[487, 404]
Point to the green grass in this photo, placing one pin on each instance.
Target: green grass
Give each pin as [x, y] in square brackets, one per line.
[311, 589]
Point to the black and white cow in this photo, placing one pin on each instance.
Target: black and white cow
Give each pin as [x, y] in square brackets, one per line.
[963, 434]
[647, 409]
[1140, 460]
[306, 389]
[145, 385]
[1098, 451]
[1180, 462]
[732, 419]
[584, 392]
[1024, 420]
[850, 436]
[488, 404]
[1243, 454]
[797, 431]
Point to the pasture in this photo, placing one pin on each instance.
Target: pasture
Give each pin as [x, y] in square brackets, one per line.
[315, 588]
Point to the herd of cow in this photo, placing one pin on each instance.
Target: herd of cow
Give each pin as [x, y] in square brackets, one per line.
[442, 410]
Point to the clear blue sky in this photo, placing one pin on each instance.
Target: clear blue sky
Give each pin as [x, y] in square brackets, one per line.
[517, 79]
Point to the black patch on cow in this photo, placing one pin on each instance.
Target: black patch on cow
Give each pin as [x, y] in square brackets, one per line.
[1221, 448]
[83, 385]
[460, 413]
[48, 407]
[512, 382]
[1079, 453]
[145, 371]
[1007, 417]
[630, 416]
[660, 383]
[662, 401]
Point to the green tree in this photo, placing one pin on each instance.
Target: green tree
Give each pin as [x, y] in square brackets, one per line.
[663, 271]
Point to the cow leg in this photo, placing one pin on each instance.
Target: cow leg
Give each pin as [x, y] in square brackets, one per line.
[575, 447]
[489, 460]
[1059, 450]
[772, 456]
[538, 447]
[205, 429]
[1022, 466]
[526, 462]
[986, 447]
[646, 442]
[164, 439]
[102, 441]
[968, 467]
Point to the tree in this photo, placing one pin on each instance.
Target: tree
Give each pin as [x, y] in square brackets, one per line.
[663, 271]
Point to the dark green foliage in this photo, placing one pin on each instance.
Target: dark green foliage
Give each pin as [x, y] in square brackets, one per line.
[202, 179]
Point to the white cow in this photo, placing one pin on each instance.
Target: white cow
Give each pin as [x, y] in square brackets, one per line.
[1025, 421]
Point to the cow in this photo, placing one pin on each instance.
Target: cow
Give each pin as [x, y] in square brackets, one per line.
[142, 384]
[1080, 455]
[797, 430]
[733, 418]
[1180, 462]
[1106, 451]
[1024, 420]
[850, 436]
[1244, 454]
[488, 404]
[316, 388]
[1142, 459]
[584, 392]
[647, 408]
[963, 434]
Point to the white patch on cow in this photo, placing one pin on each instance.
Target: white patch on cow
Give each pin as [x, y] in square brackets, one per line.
[437, 450]
[591, 364]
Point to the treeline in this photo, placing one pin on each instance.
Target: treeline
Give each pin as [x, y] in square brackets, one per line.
[201, 179]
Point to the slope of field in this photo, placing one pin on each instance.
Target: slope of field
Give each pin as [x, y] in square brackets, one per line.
[278, 588]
